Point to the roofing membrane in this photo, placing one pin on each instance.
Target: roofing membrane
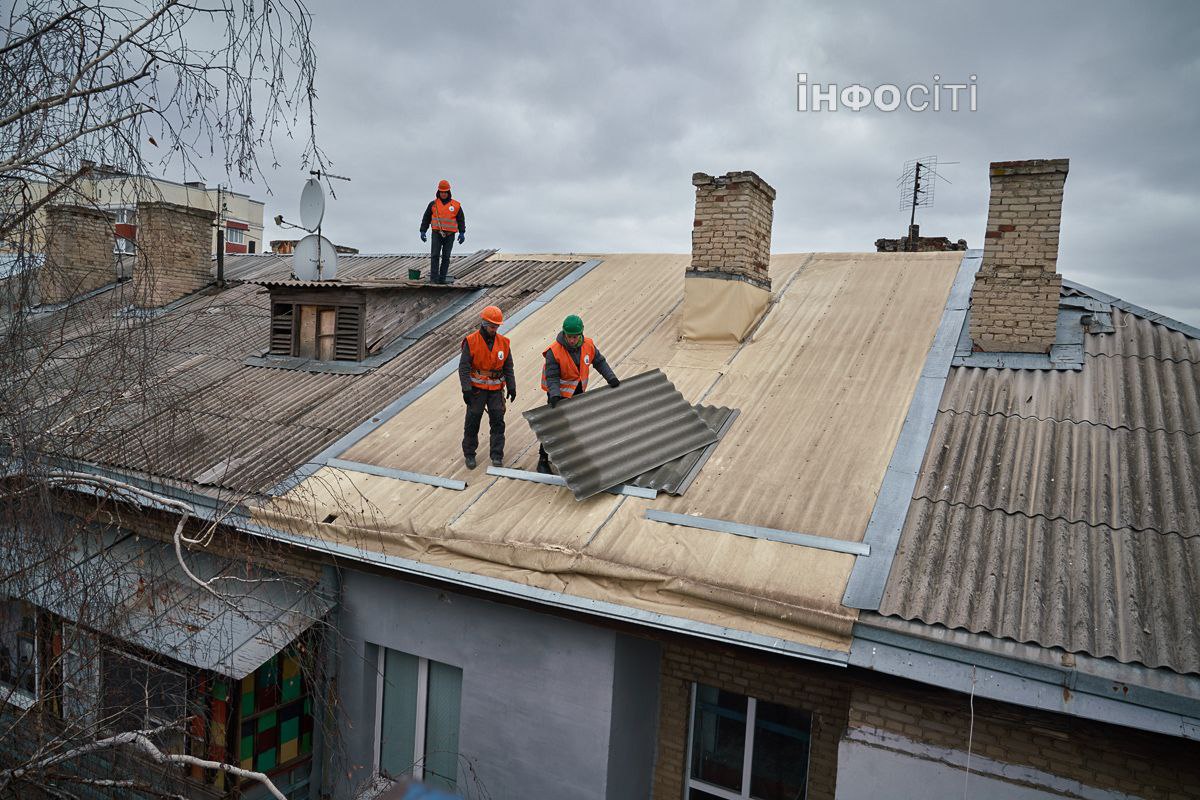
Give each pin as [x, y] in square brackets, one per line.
[822, 385]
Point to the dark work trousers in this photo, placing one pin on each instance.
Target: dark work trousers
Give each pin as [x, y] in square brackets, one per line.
[491, 400]
[440, 245]
[541, 448]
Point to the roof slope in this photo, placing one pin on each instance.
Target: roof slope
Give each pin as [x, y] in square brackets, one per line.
[822, 386]
[1063, 508]
[197, 412]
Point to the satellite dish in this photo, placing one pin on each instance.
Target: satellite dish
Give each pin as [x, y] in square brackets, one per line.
[312, 205]
[314, 259]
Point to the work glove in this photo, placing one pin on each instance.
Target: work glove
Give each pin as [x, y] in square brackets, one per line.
[467, 396]
[554, 401]
[615, 382]
[424, 237]
[462, 237]
[512, 393]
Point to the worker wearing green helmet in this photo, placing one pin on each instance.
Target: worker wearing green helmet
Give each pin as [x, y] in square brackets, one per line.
[569, 362]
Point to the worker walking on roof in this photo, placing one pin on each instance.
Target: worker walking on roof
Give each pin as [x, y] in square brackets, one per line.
[445, 215]
[485, 371]
[569, 362]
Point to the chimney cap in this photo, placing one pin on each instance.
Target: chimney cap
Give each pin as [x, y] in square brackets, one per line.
[744, 176]
[1033, 166]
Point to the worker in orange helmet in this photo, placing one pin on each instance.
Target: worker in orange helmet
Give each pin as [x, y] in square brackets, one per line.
[569, 361]
[485, 372]
[445, 215]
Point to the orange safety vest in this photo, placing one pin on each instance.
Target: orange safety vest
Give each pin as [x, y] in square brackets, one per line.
[571, 378]
[445, 215]
[487, 366]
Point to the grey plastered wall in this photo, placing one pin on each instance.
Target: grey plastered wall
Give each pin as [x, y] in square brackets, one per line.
[537, 711]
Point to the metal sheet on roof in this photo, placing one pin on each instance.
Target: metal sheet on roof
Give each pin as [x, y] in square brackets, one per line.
[1064, 508]
[135, 589]
[606, 436]
[676, 475]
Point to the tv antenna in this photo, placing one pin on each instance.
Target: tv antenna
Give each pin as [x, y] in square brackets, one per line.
[917, 182]
[315, 257]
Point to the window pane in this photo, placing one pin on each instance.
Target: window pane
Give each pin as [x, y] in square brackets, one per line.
[700, 794]
[441, 725]
[719, 737]
[779, 766]
[397, 739]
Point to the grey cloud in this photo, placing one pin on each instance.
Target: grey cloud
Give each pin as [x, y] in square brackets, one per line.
[576, 127]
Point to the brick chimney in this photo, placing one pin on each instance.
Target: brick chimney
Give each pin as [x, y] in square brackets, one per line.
[79, 253]
[1014, 303]
[174, 254]
[728, 286]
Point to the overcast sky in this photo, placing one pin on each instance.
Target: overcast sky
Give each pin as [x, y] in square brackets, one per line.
[573, 127]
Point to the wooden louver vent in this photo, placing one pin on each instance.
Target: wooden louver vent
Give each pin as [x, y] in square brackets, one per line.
[326, 332]
[283, 317]
[348, 336]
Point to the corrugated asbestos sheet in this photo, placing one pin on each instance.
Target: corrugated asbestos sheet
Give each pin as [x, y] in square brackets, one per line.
[604, 437]
[271, 268]
[1063, 509]
[676, 475]
[142, 585]
[822, 390]
[178, 401]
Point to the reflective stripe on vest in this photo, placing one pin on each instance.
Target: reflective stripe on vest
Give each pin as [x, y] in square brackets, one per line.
[487, 365]
[571, 378]
[444, 217]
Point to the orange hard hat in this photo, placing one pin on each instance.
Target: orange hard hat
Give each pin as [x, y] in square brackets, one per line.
[493, 315]
[443, 186]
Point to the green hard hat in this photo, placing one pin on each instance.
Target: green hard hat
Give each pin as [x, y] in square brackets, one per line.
[573, 325]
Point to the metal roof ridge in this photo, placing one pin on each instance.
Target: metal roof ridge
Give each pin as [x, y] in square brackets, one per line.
[1150, 316]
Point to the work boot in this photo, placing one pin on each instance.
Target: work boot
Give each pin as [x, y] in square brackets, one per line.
[470, 461]
[544, 466]
[497, 462]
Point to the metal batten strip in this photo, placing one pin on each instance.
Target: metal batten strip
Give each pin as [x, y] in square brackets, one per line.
[556, 480]
[397, 474]
[759, 532]
[402, 402]
[865, 588]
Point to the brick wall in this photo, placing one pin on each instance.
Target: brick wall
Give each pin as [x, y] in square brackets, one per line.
[820, 690]
[1014, 303]
[914, 242]
[79, 253]
[174, 254]
[1103, 756]
[731, 233]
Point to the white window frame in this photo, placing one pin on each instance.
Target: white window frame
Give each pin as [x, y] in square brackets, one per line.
[240, 238]
[418, 771]
[690, 783]
[16, 695]
[121, 245]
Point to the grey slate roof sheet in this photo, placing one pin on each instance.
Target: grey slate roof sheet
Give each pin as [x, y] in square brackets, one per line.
[141, 583]
[1063, 508]
[607, 436]
[214, 418]
[675, 476]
